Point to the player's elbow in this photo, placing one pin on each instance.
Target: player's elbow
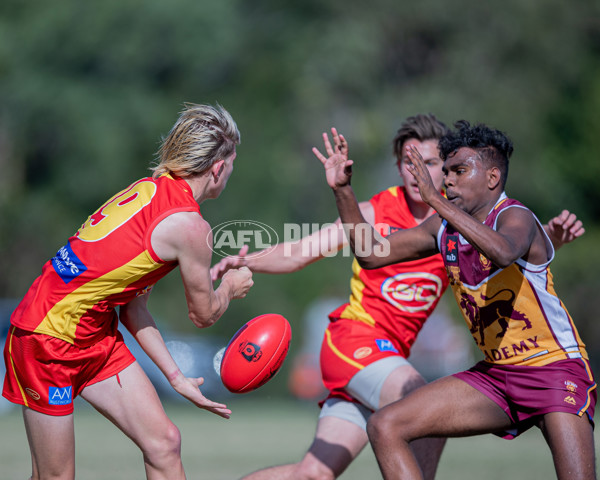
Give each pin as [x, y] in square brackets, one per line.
[369, 262]
[203, 319]
[504, 259]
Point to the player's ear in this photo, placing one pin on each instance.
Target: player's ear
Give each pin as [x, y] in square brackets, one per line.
[217, 169]
[494, 177]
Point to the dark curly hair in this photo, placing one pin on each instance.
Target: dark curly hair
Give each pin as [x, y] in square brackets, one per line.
[493, 146]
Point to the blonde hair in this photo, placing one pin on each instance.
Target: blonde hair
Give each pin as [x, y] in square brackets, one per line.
[202, 135]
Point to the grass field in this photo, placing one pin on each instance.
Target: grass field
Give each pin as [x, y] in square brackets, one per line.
[261, 432]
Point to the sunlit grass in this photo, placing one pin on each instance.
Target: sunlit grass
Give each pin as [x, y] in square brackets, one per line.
[261, 432]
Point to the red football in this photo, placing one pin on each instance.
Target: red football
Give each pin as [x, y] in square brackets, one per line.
[255, 353]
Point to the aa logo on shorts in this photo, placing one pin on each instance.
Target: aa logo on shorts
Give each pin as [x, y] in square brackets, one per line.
[569, 399]
[60, 396]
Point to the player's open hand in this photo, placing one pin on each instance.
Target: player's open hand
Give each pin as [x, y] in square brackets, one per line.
[227, 263]
[338, 169]
[564, 228]
[418, 169]
[189, 388]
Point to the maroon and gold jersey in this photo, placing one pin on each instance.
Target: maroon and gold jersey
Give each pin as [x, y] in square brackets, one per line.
[107, 263]
[397, 298]
[513, 313]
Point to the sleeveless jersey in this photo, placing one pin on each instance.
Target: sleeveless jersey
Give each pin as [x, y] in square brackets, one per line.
[107, 263]
[397, 298]
[513, 313]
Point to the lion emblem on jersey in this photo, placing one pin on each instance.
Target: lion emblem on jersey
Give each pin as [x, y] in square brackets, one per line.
[500, 310]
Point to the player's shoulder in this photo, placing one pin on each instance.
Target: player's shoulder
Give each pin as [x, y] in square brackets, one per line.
[182, 225]
[188, 220]
[178, 232]
[391, 194]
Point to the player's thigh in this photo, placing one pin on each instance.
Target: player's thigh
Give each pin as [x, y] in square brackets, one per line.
[52, 442]
[130, 401]
[399, 383]
[337, 443]
[384, 381]
[447, 407]
[571, 441]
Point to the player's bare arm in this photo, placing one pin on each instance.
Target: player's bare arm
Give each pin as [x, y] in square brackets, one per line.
[187, 238]
[139, 322]
[516, 228]
[414, 243]
[292, 256]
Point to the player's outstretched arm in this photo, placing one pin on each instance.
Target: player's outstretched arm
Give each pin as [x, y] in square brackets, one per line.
[138, 321]
[564, 228]
[295, 254]
[370, 249]
[292, 255]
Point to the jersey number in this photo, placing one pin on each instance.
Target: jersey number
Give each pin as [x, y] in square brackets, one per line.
[117, 211]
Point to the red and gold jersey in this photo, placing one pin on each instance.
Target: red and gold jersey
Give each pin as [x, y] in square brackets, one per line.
[397, 298]
[513, 313]
[107, 263]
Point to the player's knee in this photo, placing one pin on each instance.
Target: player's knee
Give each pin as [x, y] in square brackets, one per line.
[311, 470]
[164, 447]
[379, 427]
[172, 440]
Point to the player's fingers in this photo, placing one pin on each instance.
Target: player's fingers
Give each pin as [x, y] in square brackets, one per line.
[214, 274]
[343, 145]
[335, 135]
[327, 144]
[243, 251]
[348, 167]
[577, 229]
[319, 155]
[222, 412]
[569, 221]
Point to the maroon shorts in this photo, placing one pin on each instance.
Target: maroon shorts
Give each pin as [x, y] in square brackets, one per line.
[527, 392]
[46, 373]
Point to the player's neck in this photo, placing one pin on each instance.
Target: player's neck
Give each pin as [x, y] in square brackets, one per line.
[199, 184]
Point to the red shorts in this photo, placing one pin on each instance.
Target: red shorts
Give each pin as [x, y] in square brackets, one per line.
[527, 392]
[46, 373]
[348, 347]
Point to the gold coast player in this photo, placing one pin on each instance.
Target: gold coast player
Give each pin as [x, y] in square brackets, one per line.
[497, 257]
[63, 339]
[364, 353]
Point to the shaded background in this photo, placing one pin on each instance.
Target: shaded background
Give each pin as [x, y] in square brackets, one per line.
[87, 90]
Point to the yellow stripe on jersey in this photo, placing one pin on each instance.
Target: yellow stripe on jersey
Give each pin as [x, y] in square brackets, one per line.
[340, 354]
[355, 311]
[393, 191]
[62, 320]
[12, 365]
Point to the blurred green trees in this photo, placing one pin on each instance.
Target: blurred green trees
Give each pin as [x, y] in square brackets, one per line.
[88, 89]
